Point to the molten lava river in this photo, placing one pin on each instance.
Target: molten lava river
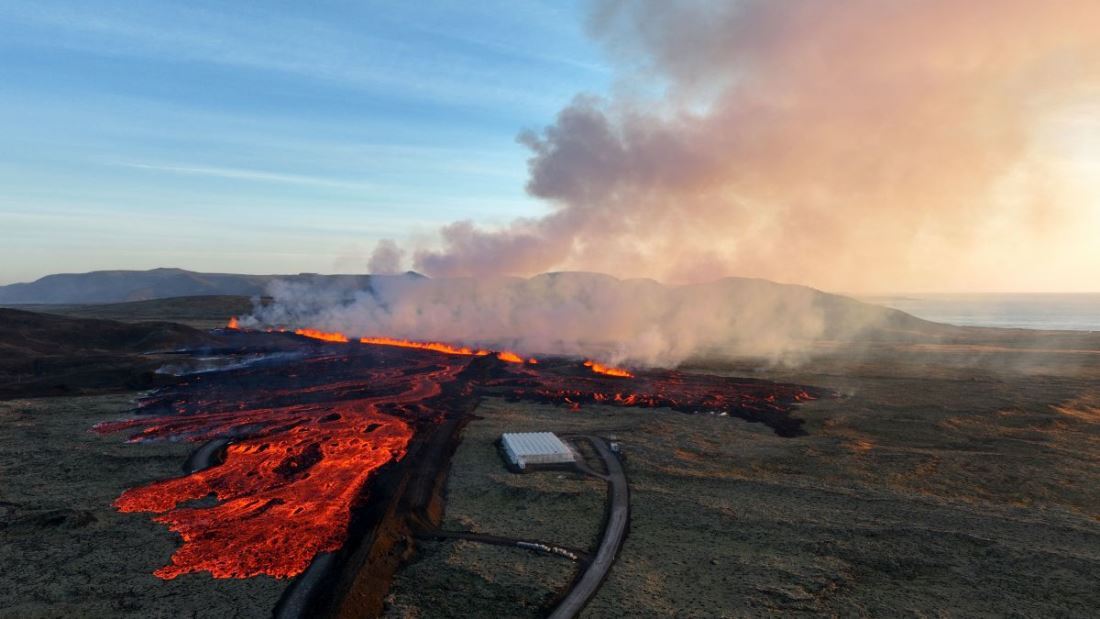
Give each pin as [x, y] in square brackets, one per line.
[307, 432]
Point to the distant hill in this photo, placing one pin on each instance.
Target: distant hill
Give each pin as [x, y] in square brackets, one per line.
[756, 303]
[205, 299]
[43, 355]
[30, 334]
[125, 286]
[202, 312]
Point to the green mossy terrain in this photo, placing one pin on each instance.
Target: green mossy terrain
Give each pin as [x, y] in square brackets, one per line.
[928, 489]
[67, 552]
[953, 478]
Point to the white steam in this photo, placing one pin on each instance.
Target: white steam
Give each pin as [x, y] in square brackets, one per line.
[851, 145]
[634, 322]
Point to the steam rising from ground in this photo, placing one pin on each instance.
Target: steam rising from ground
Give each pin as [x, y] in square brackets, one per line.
[386, 258]
[633, 322]
[850, 145]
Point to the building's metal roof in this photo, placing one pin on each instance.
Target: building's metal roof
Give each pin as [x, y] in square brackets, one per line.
[535, 443]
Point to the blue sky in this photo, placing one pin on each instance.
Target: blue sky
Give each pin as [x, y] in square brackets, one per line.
[269, 136]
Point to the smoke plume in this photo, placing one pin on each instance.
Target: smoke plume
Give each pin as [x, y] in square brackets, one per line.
[855, 145]
[386, 258]
[636, 322]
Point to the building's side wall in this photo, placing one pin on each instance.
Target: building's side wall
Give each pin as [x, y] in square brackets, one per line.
[513, 457]
[549, 458]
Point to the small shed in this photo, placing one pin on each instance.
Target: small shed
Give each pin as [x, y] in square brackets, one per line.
[523, 449]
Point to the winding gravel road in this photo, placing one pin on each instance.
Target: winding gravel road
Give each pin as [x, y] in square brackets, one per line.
[618, 518]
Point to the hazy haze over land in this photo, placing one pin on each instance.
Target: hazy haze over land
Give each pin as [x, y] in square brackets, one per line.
[856, 146]
[634, 321]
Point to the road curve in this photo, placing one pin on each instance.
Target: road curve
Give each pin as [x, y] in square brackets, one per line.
[528, 544]
[618, 518]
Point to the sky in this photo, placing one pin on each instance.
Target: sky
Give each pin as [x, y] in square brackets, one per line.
[269, 137]
[856, 146]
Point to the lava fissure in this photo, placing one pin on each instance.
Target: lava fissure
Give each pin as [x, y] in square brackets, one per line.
[309, 434]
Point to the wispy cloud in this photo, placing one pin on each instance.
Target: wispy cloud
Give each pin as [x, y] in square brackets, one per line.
[518, 52]
[262, 176]
[300, 47]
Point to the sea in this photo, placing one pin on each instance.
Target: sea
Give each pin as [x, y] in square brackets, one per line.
[1072, 312]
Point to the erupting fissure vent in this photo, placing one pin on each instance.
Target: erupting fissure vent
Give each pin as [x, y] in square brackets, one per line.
[309, 433]
[607, 370]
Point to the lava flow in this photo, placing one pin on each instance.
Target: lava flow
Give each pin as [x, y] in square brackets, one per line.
[309, 433]
[607, 370]
[324, 336]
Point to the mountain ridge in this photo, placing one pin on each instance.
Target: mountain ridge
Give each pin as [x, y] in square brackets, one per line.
[121, 286]
[130, 286]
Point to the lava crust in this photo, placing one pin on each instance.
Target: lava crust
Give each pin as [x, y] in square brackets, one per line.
[308, 434]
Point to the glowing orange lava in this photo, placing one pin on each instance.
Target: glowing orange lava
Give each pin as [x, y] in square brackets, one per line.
[282, 497]
[324, 336]
[307, 435]
[288, 483]
[233, 323]
[436, 346]
[607, 370]
[450, 349]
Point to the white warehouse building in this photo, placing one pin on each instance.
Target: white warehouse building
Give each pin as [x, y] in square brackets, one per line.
[526, 448]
